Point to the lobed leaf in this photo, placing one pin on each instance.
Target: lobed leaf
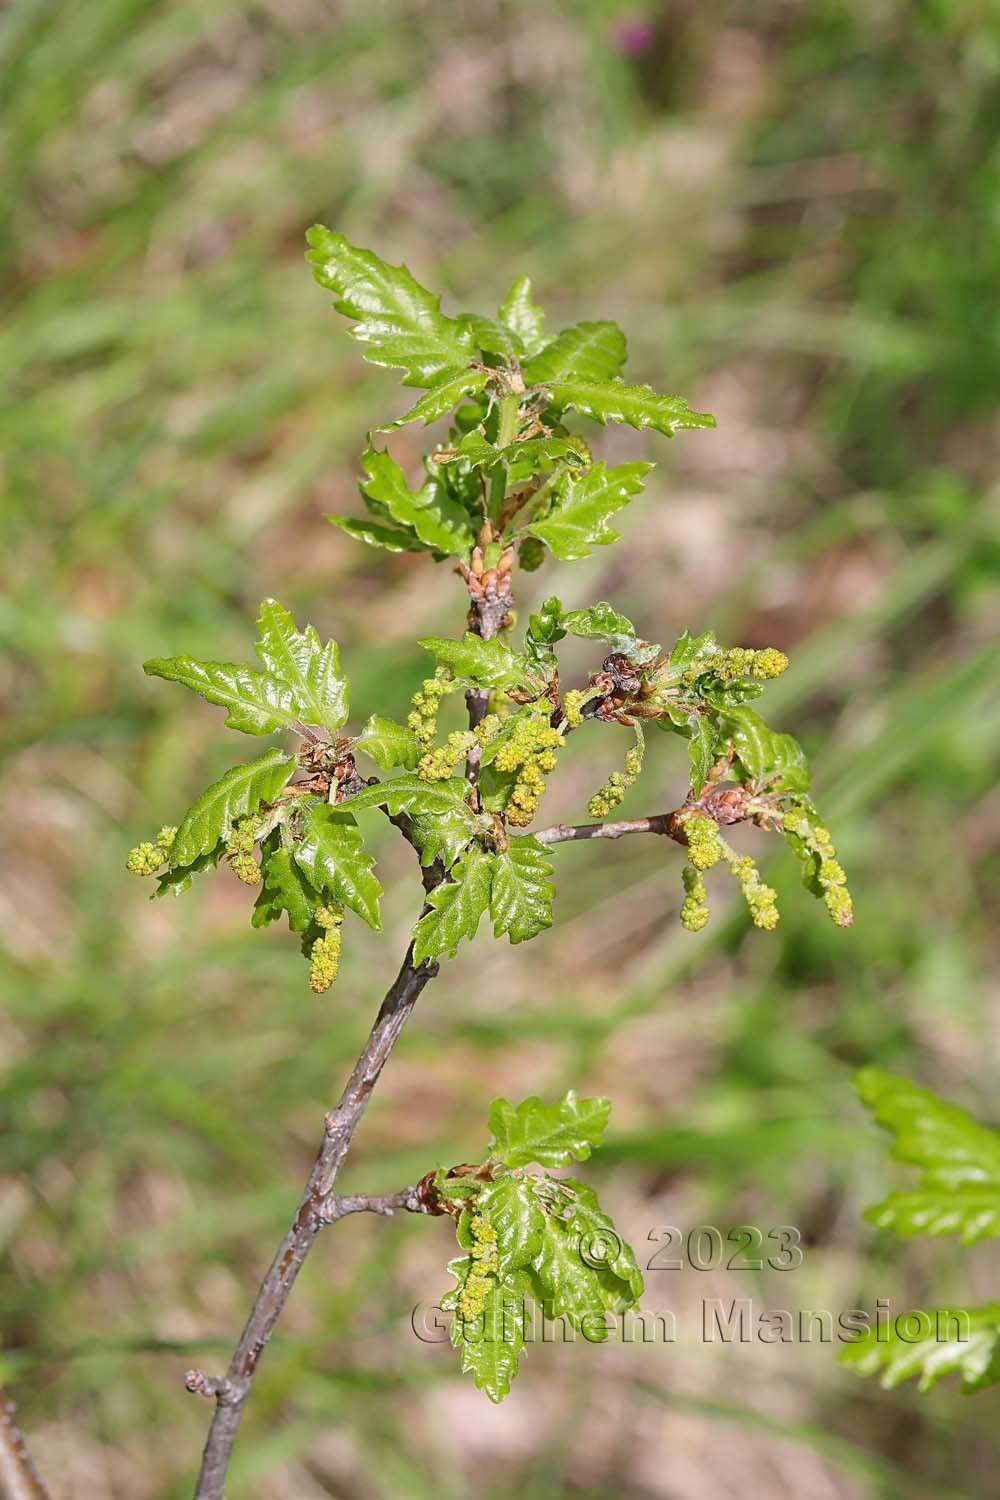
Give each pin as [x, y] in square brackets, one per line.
[444, 395]
[389, 744]
[488, 664]
[331, 855]
[309, 669]
[375, 535]
[588, 352]
[959, 1190]
[580, 517]
[284, 889]
[524, 319]
[255, 702]
[600, 622]
[962, 1339]
[209, 821]
[456, 907]
[522, 892]
[437, 520]
[398, 320]
[492, 1345]
[638, 405]
[550, 1134]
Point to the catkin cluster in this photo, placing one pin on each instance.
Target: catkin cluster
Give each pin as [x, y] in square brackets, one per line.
[426, 702]
[324, 956]
[531, 752]
[612, 793]
[146, 858]
[803, 823]
[239, 850]
[706, 848]
[479, 1282]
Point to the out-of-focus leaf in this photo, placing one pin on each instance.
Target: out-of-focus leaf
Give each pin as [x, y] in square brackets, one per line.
[946, 1339]
[523, 317]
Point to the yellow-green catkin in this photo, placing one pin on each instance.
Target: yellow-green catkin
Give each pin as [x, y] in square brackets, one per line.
[426, 701]
[324, 955]
[612, 793]
[530, 750]
[829, 873]
[761, 899]
[479, 1283]
[239, 851]
[148, 857]
[705, 843]
[694, 912]
[743, 661]
[438, 765]
[572, 703]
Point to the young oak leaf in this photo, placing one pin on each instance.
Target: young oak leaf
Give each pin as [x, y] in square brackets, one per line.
[947, 1339]
[492, 1343]
[299, 660]
[581, 515]
[444, 395]
[959, 1188]
[512, 1207]
[435, 519]
[255, 702]
[456, 906]
[522, 892]
[550, 1134]
[389, 744]
[638, 405]
[331, 856]
[488, 664]
[398, 320]
[285, 889]
[209, 821]
[586, 352]
[521, 315]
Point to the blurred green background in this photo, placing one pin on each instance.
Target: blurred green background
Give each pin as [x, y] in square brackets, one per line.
[793, 209]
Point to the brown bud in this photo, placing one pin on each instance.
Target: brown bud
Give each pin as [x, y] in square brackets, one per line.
[477, 561]
[486, 534]
[505, 562]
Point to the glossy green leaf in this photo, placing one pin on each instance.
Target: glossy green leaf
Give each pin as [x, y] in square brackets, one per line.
[550, 1134]
[493, 336]
[959, 1188]
[523, 317]
[545, 630]
[331, 856]
[386, 537]
[929, 1344]
[490, 1346]
[240, 792]
[512, 1207]
[389, 744]
[444, 395]
[456, 907]
[581, 515]
[441, 833]
[602, 623]
[429, 512]
[285, 889]
[488, 664]
[179, 878]
[638, 405]
[585, 352]
[701, 748]
[521, 897]
[256, 703]
[310, 669]
[397, 319]
[410, 794]
[602, 1248]
[690, 650]
[570, 1288]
